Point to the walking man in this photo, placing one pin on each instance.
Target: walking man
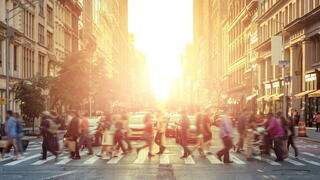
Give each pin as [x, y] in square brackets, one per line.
[148, 135]
[226, 134]
[73, 134]
[49, 131]
[317, 118]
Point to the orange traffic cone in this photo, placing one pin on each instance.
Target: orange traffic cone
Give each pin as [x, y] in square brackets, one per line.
[302, 132]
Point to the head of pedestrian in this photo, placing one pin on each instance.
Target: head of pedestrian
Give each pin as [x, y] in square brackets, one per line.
[45, 114]
[9, 114]
[147, 118]
[270, 115]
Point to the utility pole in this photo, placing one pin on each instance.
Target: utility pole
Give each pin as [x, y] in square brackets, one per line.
[8, 37]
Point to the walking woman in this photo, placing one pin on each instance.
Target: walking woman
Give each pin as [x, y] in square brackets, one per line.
[148, 135]
[184, 123]
[200, 136]
[107, 138]
[161, 128]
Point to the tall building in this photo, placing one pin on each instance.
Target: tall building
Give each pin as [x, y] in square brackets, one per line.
[298, 22]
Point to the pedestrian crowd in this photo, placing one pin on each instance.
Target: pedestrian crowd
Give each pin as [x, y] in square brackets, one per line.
[257, 134]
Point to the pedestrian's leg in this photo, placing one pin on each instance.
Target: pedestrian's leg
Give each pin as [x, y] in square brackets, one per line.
[294, 146]
[19, 145]
[89, 145]
[44, 149]
[157, 138]
[126, 138]
[277, 149]
[228, 144]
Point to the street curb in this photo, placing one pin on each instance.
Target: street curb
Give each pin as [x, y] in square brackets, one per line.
[309, 139]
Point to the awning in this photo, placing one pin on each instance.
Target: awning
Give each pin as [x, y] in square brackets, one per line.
[260, 98]
[268, 98]
[314, 94]
[278, 96]
[300, 95]
[248, 98]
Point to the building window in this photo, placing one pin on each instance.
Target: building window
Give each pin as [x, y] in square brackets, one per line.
[41, 34]
[41, 8]
[41, 64]
[50, 40]
[49, 16]
[15, 58]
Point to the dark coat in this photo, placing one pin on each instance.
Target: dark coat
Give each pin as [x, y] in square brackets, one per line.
[73, 128]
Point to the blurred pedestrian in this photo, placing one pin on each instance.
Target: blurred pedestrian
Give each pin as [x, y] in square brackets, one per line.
[148, 135]
[226, 135]
[291, 137]
[207, 134]
[107, 138]
[199, 131]
[162, 123]
[85, 140]
[49, 130]
[73, 134]
[12, 134]
[19, 132]
[250, 136]
[276, 134]
[126, 130]
[184, 133]
[242, 123]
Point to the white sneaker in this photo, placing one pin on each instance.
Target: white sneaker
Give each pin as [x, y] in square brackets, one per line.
[20, 157]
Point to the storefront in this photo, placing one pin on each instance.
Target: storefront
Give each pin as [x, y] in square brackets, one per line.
[312, 98]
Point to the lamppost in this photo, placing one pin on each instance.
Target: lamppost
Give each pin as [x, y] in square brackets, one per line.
[9, 35]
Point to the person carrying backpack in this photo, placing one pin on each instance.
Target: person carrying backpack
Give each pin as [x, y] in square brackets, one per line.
[49, 130]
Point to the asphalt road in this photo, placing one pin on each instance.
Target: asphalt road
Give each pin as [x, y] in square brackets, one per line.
[167, 166]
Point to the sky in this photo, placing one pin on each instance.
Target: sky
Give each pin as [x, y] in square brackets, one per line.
[162, 30]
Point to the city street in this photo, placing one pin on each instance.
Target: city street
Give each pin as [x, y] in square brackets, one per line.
[166, 166]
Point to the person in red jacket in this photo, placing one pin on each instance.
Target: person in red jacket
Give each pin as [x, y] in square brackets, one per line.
[85, 140]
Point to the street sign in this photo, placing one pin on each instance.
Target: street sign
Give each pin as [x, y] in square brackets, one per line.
[284, 63]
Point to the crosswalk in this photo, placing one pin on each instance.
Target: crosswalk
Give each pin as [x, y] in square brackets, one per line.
[171, 156]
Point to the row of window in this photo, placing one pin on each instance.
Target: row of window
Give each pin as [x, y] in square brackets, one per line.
[285, 16]
[237, 77]
[236, 8]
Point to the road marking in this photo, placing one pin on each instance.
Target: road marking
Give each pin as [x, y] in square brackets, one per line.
[57, 176]
[91, 160]
[307, 161]
[236, 160]
[164, 159]
[67, 159]
[141, 156]
[40, 162]
[310, 154]
[189, 160]
[115, 160]
[213, 159]
[30, 149]
[22, 160]
[297, 163]
[273, 163]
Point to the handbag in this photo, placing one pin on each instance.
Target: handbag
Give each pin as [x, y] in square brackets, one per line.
[71, 145]
[4, 143]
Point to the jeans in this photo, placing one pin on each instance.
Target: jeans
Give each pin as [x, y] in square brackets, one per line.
[118, 141]
[227, 143]
[86, 141]
[19, 144]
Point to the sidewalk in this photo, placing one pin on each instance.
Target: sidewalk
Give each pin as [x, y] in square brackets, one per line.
[311, 133]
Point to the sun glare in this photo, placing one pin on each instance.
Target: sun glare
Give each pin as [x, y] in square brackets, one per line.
[162, 29]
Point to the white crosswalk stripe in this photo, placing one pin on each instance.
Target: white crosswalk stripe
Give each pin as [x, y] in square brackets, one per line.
[40, 162]
[236, 160]
[115, 160]
[310, 154]
[271, 162]
[307, 160]
[297, 163]
[213, 159]
[141, 156]
[22, 160]
[91, 160]
[164, 159]
[66, 159]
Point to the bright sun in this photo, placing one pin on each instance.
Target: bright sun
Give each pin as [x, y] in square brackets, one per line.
[162, 29]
